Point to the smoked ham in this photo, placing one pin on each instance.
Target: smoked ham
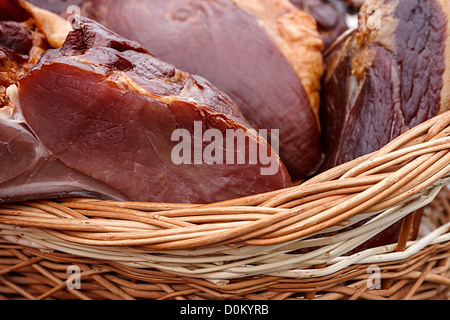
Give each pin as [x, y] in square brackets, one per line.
[385, 77]
[101, 113]
[265, 54]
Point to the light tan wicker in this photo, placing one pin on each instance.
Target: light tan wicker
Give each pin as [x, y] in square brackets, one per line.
[288, 244]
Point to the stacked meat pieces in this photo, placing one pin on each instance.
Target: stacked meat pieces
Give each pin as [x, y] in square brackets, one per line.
[113, 103]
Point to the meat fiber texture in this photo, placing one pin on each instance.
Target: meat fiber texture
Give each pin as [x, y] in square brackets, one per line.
[265, 54]
[96, 117]
[386, 77]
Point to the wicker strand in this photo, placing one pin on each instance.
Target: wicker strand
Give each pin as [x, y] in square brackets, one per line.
[295, 243]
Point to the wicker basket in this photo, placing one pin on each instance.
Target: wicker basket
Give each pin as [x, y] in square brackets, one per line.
[295, 243]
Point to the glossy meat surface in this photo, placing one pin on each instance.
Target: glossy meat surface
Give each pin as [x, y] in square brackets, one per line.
[33, 173]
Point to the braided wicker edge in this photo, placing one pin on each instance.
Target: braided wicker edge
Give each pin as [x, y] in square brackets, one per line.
[255, 236]
[32, 274]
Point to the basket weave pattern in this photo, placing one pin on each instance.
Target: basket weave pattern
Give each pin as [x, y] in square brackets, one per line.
[293, 243]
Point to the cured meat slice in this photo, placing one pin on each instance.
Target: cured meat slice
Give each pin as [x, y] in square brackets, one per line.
[33, 173]
[28, 170]
[387, 76]
[265, 54]
[107, 109]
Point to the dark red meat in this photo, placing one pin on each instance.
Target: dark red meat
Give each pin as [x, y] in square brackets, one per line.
[274, 77]
[105, 108]
[33, 173]
[382, 80]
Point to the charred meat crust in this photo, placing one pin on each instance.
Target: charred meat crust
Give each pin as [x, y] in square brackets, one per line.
[382, 81]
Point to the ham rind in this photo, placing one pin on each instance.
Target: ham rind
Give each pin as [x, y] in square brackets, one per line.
[107, 109]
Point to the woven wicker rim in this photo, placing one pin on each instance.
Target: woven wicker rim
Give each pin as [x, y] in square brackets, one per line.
[256, 235]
